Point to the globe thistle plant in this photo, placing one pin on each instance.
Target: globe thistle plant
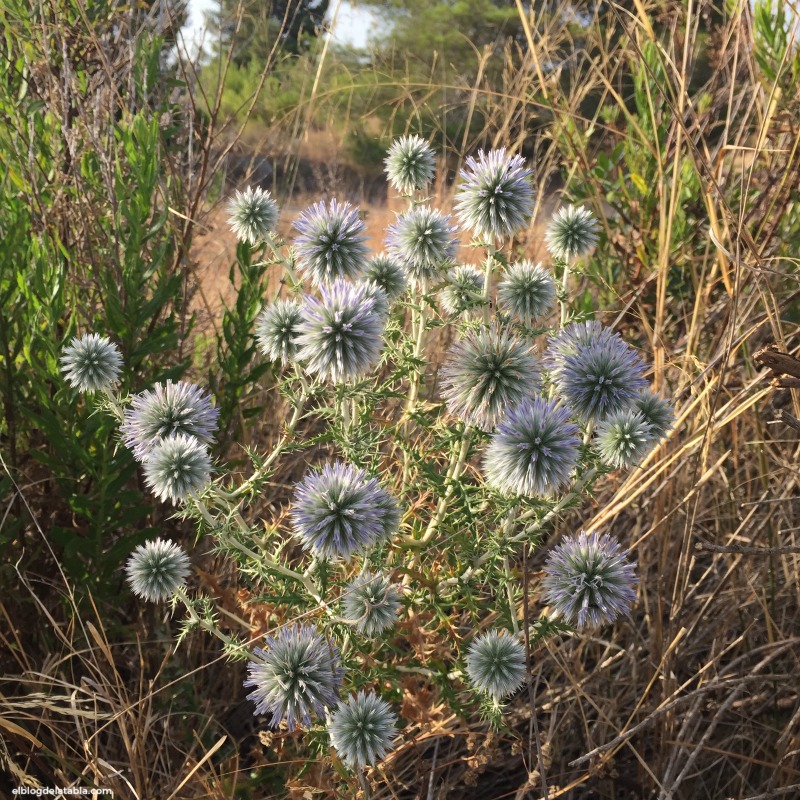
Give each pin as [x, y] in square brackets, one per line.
[588, 580]
[376, 294]
[496, 664]
[423, 240]
[574, 337]
[410, 164]
[534, 450]
[91, 363]
[362, 729]
[177, 467]
[486, 374]
[528, 291]
[297, 674]
[156, 569]
[371, 603]
[623, 438]
[658, 413]
[168, 409]
[572, 232]
[253, 215]
[388, 273]
[277, 329]
[463, 290]
[330, 245]
[495, 199]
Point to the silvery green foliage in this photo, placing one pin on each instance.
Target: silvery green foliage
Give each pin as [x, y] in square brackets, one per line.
[331, 243]
[297, 674]
[165, 410]
[340, 511]
[91, 363]
[624, 438]
[253, 215]
[388, 273]
[496, 664]
[495, 198]
[410, 164]
[463, 289]
[177, 467]
[371, 602]
[658, 413]
[588, 580]
[277, 328]
[362, 729]
[340, 334]
[527, 291]
[534, 450]
[423, 240]
[487, 373]
[156, 569]
[572, 232]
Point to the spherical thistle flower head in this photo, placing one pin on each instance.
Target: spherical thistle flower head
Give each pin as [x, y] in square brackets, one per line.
[533, 451]
[375, 293]
[91, 363]
[572, 338]
[167, 409]
[252, 215]
[157, 569]
[340, 334]
[177, 467]
[371, 603]
[339, 511]
[362, 729]
[495, 199]
[624, 438]
[496, 664]
[410, 164]
[423, 240]
[388, 273]
[486, 374]
[572, 232]
[297, 674]
[330, 244]
[277, 329]
[464, 289]
[528, 291]
[588, 580]
[658, 413]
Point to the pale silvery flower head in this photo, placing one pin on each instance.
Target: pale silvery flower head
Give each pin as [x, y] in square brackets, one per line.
[527, 291]
[588, 580]
[331, 243]
[533, 451]
[495, 199]
[277, 328]
[91, 363]
[486, 374]
[624, 438]
[339, 511]
[496, 664]
[167, 409]
[410, 164]
[177, 467]
[658, 413]
[423, 240]
[362, 729]
[297, 674]
[572, 232]
[156, 569]
[388, 273]
[371, 603]
[463, 289]
[340, 334]
[375, 293]
[253, 215]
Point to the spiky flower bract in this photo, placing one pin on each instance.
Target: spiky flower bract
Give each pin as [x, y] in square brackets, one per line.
[528, 291]
[177, 467]
[297, 674]
[533, 451]
[496, 664]
[277, 328]
[252, 215]
[410, 164]
[589, 580]
[623, 438]
[423, 240]
[330, 245]
[495, 199]
[370, 602]
[165, 410]
[572, 232]
[339, 511]
[91, 363]
[340, 334]
[156, 569]
[388, 273]
[362, 730]
[658, 413]
[463, 290]
[486, 374]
